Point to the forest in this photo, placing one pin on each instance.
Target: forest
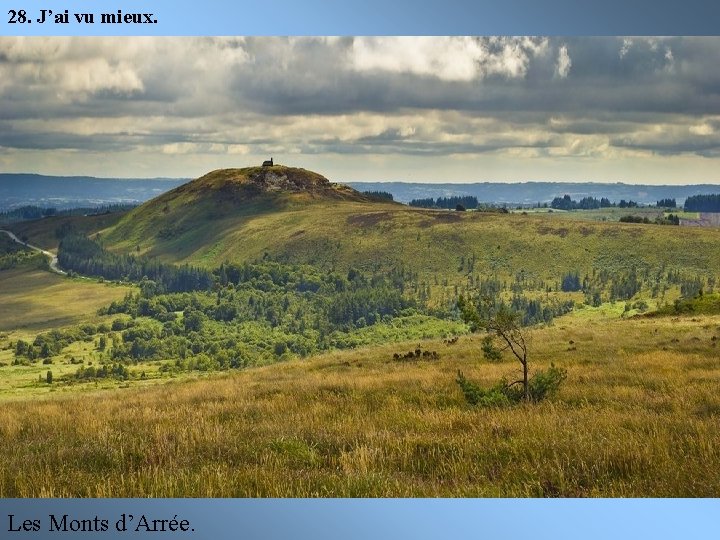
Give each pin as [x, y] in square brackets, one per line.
[703, 203]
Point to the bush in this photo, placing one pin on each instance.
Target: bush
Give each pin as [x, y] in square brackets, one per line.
[490, 352]
[475, 395]
[542, 385]
[545, 384]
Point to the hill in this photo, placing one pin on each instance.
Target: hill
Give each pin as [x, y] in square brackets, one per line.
[72, 191]
[189, 220]
[297, 216]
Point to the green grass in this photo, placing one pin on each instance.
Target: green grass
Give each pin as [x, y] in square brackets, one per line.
[33, 300]
[637, 416]
[220, 217]
[42, 232]
[708, 304]
[600, 214]
[375, 236]
[434, 243]
[685, 215]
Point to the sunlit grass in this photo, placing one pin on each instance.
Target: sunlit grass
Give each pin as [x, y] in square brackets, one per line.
[637, 416]
[35, 300]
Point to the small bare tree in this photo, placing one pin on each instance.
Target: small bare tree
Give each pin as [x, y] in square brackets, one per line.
[504, 326]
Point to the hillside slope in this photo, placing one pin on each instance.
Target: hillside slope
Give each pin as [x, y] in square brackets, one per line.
[299, 216]
[187, 221]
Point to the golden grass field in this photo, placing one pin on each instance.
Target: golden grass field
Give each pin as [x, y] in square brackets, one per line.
[637, 416]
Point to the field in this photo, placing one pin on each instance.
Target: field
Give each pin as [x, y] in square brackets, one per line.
[34, 300]
[637, 417]
[285, 376]
[45, 233]
[218, 218]
[600, 214]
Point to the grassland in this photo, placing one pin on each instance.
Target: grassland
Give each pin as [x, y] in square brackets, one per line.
[600, 214]
[638, 416]
[377, 236]
[225, 217]
[45, 232]
[32, 300]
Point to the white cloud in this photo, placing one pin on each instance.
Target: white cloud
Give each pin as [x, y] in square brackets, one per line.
[702, 129]
[564, 63]
[204, 102]
[626, 46]
[447, 58]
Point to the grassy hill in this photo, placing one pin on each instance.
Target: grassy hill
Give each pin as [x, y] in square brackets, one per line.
[32, 300]
[297, 216]
[188, 222]
[46, 232]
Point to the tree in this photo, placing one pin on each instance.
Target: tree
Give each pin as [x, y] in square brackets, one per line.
[21, 348]
[49, 377]
[571, 282]
[504, 326]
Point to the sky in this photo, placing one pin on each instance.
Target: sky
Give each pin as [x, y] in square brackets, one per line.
[416, 109]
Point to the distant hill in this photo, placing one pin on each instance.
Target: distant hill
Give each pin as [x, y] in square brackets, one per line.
[529, 193]
[74, 191]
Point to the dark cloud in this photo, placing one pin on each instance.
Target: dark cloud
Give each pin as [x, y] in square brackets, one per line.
[552, 97]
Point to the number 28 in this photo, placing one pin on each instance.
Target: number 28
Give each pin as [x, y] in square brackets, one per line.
[17, 16]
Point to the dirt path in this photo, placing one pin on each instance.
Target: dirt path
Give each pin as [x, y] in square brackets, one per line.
[53, 258]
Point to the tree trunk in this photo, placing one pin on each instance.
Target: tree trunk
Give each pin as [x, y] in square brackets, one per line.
[526, 386]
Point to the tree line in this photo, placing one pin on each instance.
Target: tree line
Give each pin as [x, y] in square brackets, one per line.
[379, 195]
[465, 201]
[703, 203]
[80, 254]
[588, 203]
[671, 219]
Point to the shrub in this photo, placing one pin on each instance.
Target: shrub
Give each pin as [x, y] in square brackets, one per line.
[542, 385]
[475, 395]
[490, 352]
[545, 384]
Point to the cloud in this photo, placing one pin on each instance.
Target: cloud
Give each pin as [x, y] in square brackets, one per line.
[452, 59]
[447, 58]
[196, 100]
[564, 63]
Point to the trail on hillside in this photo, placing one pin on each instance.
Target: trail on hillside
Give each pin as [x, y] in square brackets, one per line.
[53, 258]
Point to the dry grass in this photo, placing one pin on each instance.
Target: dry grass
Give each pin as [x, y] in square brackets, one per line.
[638, 416]
[38, 300]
